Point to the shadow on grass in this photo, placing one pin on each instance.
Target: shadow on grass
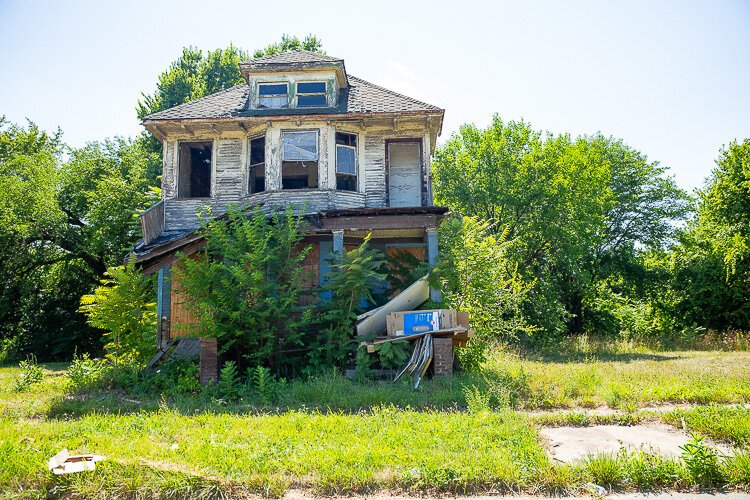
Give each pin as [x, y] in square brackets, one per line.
[333, 394]
[604, 357]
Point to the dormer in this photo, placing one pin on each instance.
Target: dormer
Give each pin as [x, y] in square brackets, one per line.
[294, 80]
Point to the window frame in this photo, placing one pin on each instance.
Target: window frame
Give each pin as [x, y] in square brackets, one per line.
[251, 165]
[259, 96]
[315, 131]
[298, 94]
[355, 148]
[179, 173]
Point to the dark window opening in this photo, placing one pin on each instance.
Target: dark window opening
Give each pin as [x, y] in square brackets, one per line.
[346, 161]
[195, 170]
[311, 94]
[257, 181]
[299, 166]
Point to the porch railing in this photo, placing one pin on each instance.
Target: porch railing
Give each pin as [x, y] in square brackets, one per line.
[152, 222]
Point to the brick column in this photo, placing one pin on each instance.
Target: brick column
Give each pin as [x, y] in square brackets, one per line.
[209, 364]
[442, 360]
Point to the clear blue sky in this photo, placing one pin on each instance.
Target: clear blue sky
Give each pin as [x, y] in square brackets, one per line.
[672, 78]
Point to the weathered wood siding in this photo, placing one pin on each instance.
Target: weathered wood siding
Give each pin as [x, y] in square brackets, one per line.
[180, 314]
[229, 179]
[227, 184]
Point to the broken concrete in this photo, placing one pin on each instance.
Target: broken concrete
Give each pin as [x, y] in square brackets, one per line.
[569, 444]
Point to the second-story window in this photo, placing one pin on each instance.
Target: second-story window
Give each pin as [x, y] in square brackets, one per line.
[346, 161]
[257, 181]
[273, 95]
[299, 165]
[311, 94]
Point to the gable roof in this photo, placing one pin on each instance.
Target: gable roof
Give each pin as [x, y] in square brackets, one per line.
[361, 97]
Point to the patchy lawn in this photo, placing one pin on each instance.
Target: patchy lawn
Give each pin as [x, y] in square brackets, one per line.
[330, 435]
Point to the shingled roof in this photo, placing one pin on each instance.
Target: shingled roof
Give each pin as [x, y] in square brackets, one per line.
[361, 97]
[293, 57]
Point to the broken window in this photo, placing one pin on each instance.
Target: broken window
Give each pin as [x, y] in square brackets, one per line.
[299, 165]
[346, 161]
[194, 175]
[257, 181]
[273, 95]
[311, 94]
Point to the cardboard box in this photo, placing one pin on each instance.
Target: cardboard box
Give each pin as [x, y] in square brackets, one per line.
[413, 322]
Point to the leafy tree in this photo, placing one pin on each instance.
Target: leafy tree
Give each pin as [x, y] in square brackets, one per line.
[63, 223]
[245, 288]
[709, 269]
[123, 308]
[570, 207]
[195, 75]
[494, 296]
[288, 43]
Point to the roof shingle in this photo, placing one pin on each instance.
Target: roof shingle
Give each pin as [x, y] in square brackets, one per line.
[361, 97]
[296, 56]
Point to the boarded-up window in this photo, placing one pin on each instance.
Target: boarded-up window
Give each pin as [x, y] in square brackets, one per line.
[194, 177]
[404, 174]
[299, 166]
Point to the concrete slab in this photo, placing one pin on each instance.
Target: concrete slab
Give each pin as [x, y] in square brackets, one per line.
[569, 444]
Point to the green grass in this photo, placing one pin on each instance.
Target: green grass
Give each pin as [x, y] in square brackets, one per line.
[330, 435]
[728, 424]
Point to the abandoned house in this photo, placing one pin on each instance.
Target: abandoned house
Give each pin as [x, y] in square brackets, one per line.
[300, 131]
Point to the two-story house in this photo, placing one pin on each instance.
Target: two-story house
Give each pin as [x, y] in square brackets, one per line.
[300, 131]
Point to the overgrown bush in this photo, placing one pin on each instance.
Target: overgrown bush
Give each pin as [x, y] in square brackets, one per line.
[246, 288]
[123, 307]
[346, 289]
[477, 276]
[86, 373]
[31, 373]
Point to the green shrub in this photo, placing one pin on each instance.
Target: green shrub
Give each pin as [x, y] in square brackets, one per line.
[476, 275]
[265, 386]
[347, 287]
[702, 462]
[393, 354]
[122, 306]
[229, 386]
[246, 288]
[31, 373]
[85, 373]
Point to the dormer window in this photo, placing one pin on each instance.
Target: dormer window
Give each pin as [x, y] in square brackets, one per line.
[311, 94]
[273, 95]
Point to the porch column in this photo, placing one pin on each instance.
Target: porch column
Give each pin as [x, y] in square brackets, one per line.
[432, 260]
[338, 246]
[163, 306]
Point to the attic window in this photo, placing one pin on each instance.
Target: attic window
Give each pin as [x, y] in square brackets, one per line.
[273, 95]
[299, 165]
[194, 175]
[346, 161]
[311, 94]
